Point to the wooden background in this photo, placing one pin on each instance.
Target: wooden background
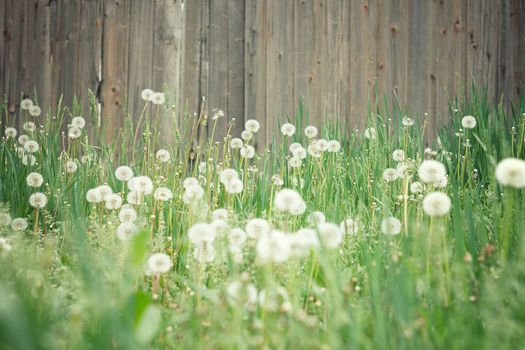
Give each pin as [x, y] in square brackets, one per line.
[256, 58]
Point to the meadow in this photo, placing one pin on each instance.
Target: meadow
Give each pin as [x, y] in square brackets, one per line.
[396, 236]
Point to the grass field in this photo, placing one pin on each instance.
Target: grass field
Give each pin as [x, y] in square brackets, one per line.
[393, 237]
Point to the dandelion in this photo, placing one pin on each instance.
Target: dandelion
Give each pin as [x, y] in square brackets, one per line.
[38, 200]
[390, 174]
[142, 184]
[147, 95]
[163, 194]
[104, 191]
[349, 226]
[295, 146]
[4, 245]
[290, 201]
[193, 194]
[20, 151]
[29, 126]
[201, 233]
[163, 155]
[10, 132]
[227, 175]
[468, 122]
[252, 125]
[71, 166]
[220, 214]
[416, 187]
[31, 146]
[22, 139]
[28, 159]
[246, 135]
[334, 146]
[436, 204]
[316, 217]
[322, 145]
[34, 180]
[78, 122]
[190, 181]
[432, 171]
[371, 133]
[273, 247]
[123, 173]
[113, 201]
[217, 113]
[126, 231]
[311, 131]
[314, 151]
[5, 219]
[205, 253]
[277, 180]
[237, 237]
[85, 159]
[256, 228]
[511, 172]
[402, 169]
[398, 155]
[74, 133]
[234, 186]
[407, 121]
[236, 143]
[93, 196]
[127, 214]
[391, 226]
[330, 235]
[303, 241]
[35, 111]
[158, 98]
[287, 129]
[26, 104]
[159, 263]
[294, 162]
[19, 224]
[247, 151]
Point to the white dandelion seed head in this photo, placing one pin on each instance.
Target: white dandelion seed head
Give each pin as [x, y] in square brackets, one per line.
[256, 228]
[159, 263]
[299, 153]
[468, 122]
[511, 172]
[38, 200]
[311, 131]
[28, 159]
[273, 247]
[237, 237]
[29, 126]
[127, 214]
[391, 226]
[236, 143]
[34, 180]
[227, 175]
[31, 146]
[10, 132]
[314, 151]
[294, 162]
[217, 113]
[35, 111]
[142, 184]
[432, 171]
[277, 180]
[71, 166]
[289, 201]
[416, 187]
[234, 186]
[287, 129]
[436, 204]
[93, 196]
[201, 233]
[371, 133]
[74, 133]
[22, 139]
[126, 231]
[407, 121]
[315, 218]
[123, 173]
[252, 125]
[246, 135]
[5, 219]
[113, 201]
[303, 241]
[398, 155]
[78, 122]
[163, 194]
[192, 194]
[322, 145]
[295, 146]
[19, 224]
[247, 151]
[220, 214]
[147, 95]
[189, 181]
[390, 174]
[158, 98]
[26, 104]
[104, 191]
[334, 146]
[330, 235]
[349, 226]
[163, 155]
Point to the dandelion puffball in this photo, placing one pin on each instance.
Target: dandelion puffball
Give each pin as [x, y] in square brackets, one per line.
[158, 98]
[468, 122]
[127, 214]
[147, 94]
[35, 111]
[71, 166]
[252, 125]
[34, 180]
[256, 228]
[113, 201]
[370, 133]
[311, 131]
[330, 235]
[26, 104]
[391, 226]
[5, 219]
[511, 172]
[38, 200]
[78, 122]
[123, 173]
[126, 231]
[247, 151]
[398, 155]
[236, 143]
[390, 174]
[290, 201]
[93, 196]
[432, 171]
[163, 155]
[163, 194]
[287, 129]
[10, 132]
[159, 263]
[201, 233]
[19, 224]
[436, 204]
[31, 146]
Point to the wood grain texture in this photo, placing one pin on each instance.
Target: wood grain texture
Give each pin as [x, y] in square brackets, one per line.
[258, 58]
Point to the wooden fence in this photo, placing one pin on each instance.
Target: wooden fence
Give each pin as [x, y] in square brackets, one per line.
[256, 58]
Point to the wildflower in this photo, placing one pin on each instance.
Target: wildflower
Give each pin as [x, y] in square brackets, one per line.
[159, 263]
[142, 184]
[330, 235]
[192, 194]
[273, 247]
[236, 143]
[4, 245]
[147, 95]
[391, 226]
[370, 133]
[468, 122]
[511, 172]
[416, 187]
[321, 144]
[71, 166]
[398, 155]
[78, 122]
[10, 132]
[127, 214]
[316, 217]
[287, 129]
[436, 204]
[237, 237]
[20, 152]
[134, 198]
[163, 155]
[74, 133]
[402, 169]
[227, 175]
[104, 191]
[252, 125]
[29, 126]
[124, 173]
[158, 98]
[22, 139]
[26, 104]
[277, 180]
[38, 200]
[242, 294]
[19, 224]
[349, 226]
[246, 135]
[5, 219]
[34, 180]
[299, 153]
[314, 151]
[190, 181]
[220, 214]
[256, 228]
[407, 121]
[31, 146]
[247, 151]
[217, 113]
[295, 146]
[126, 231]
[234, 186]
[163, 194]
[311, 131]
[113, 201]
[288, 200]
[93, 196]
[390, 174]
[201, 233]
[294, 162]
[303, 241]
[432, 171]
[28, 159]
[334, 146]
[205, 253]
[35, 111]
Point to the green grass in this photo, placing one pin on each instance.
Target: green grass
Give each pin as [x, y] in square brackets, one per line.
[444, 282]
